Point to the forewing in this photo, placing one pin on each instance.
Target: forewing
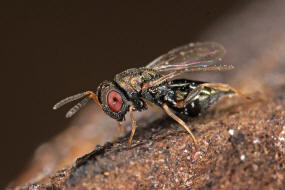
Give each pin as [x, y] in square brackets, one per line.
[192, 55]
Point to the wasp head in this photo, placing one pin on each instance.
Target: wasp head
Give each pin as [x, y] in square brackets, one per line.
[113, 100]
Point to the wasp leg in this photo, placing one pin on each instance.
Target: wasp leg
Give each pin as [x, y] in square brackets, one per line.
[121, 128]
[171, 114]
[191, 95]
[134, 125]
[218, 86]
[121, 131]
[224, 87]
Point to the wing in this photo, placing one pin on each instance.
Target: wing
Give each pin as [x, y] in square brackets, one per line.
[188, 57]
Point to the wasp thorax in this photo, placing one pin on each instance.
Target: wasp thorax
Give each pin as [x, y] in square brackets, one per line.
[113, 100]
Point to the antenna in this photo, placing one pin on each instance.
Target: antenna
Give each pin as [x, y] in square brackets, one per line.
[68, 99]
[74, 109]
[77, 107]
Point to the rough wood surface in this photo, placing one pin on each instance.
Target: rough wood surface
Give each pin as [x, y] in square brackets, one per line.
[240, 146]
[241, 143]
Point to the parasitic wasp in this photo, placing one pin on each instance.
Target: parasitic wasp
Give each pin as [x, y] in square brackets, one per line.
[134, 89]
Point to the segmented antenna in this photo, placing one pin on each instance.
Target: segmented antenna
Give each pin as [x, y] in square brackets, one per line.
[69, 99]
[77, 107]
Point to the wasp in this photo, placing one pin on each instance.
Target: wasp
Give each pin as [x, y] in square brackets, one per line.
[155, 84]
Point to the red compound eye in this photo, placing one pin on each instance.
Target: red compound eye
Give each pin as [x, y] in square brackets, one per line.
[115, 101]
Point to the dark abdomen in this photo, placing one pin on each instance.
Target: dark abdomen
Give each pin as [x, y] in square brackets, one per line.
[199, 103]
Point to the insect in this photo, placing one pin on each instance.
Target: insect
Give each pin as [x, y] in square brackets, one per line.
[136, 88]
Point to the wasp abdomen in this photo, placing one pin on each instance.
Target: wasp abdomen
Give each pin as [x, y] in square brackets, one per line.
[185, 99]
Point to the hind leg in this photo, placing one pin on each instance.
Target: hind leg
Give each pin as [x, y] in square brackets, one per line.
[225, 88]
[216, 86]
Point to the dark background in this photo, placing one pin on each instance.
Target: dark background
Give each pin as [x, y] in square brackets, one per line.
[53, 49]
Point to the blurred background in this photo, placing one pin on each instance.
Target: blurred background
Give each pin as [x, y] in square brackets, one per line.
[53, 49]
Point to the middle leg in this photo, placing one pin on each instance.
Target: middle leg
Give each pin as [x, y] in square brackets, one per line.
[134, 125]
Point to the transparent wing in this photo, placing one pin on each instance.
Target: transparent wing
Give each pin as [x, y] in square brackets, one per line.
[192, 55]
